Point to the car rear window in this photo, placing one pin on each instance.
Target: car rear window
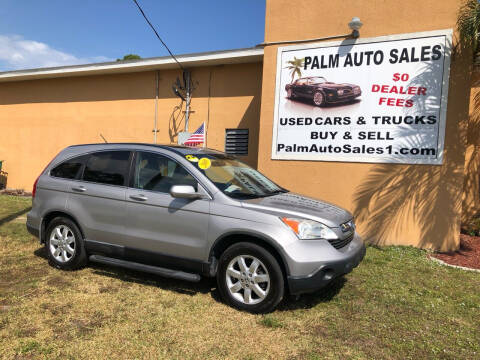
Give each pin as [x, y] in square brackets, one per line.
[69, 169]
[107, 167]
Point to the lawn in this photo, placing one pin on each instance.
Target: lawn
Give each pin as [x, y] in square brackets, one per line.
[395, 305]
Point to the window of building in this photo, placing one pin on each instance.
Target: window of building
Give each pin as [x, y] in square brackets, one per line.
[158, 173]
[107, 167]
[236, 141]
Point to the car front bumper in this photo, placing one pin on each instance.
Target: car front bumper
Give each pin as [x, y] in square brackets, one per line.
[328, 271]
[341, 99]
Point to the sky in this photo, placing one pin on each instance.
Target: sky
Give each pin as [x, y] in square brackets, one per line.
[46, 33]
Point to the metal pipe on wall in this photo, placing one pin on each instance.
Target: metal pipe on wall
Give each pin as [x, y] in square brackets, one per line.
[186, 75]
[155, 130]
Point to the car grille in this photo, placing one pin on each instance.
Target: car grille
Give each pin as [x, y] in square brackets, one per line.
[346, 93]
[340, 243]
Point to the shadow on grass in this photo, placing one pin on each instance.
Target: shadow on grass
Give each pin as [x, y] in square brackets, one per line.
[40, 252]
[130, 276]
[13, 216]
[205, 285]
[307, 301]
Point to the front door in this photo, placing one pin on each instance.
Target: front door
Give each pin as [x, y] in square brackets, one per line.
[161, 229]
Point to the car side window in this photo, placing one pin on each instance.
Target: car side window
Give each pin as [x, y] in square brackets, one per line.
[69, 169]
[158, 173]
[107, 167]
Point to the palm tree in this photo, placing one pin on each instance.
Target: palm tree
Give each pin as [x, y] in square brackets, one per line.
[469, 26]
[295, 67]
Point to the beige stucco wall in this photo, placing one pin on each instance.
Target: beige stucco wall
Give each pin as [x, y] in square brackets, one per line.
[38, 118]
[471, 184]
[416, 205]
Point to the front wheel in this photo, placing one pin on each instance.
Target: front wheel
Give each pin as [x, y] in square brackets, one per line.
[249, 278]
[319, 98]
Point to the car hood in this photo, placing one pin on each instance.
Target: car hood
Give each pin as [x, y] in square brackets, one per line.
[296, 205]
[335, 86]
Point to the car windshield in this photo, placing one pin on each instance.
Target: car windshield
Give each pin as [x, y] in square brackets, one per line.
[318, 79]
[233, 177]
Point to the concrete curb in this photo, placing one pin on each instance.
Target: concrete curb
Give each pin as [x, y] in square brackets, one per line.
[453, 266]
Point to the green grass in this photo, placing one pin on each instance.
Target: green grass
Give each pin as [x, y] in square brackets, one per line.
[395, 305]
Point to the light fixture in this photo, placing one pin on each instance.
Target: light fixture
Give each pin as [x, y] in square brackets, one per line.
[355, 24]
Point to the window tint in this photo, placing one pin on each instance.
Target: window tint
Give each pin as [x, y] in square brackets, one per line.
[159, 173]
[107, 167]
[68, 169]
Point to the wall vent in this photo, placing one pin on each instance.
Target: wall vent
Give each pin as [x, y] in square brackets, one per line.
[236, 141]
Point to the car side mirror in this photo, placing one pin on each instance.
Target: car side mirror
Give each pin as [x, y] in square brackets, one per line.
[184, 192]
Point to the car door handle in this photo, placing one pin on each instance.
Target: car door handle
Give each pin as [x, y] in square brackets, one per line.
[139, 197]
[79, 188]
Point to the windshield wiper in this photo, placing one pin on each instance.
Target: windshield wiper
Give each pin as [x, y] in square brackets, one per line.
[245, 196]
[280, 191]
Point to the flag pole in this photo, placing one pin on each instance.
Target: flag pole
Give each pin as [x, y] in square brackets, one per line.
[205, 134]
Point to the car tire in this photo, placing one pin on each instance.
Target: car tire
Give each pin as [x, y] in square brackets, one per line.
[64, 244]
[262, 277]
[319, 98]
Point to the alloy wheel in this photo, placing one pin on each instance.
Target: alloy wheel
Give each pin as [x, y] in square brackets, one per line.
[247, 279]
[318, 98]
[62, 243]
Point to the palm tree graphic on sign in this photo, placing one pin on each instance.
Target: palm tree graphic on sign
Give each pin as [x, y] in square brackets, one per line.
[295, 66]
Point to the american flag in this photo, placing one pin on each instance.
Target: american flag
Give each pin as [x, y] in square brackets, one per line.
[197, 138]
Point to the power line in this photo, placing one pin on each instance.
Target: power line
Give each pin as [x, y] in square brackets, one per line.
[158, 36]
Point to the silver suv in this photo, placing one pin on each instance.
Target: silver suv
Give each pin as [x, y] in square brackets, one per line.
[185, 213]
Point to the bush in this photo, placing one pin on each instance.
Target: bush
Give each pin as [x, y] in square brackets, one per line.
[472, 227]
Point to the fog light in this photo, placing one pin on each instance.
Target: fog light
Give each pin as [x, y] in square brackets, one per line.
[328, 275]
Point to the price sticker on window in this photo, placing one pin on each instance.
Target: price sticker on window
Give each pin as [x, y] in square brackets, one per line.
[204, 163]
[191, 158]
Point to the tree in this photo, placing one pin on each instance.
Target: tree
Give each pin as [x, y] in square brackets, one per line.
[468, 24]
[295, 67]
[130, 57]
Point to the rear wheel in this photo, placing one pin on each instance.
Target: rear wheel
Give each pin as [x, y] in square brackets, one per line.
[319, 98]
[64, 244]
[250, 278]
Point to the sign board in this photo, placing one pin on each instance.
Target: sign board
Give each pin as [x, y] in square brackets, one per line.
[378, 100]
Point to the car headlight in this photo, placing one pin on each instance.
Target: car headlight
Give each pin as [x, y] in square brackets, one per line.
[309, 229]
[340, 92]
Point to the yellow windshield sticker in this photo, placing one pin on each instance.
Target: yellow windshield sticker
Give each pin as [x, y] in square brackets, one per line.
[204, 163]
[191, 158]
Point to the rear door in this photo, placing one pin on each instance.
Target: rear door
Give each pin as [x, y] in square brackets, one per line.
[97, 198]
[159, 224]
